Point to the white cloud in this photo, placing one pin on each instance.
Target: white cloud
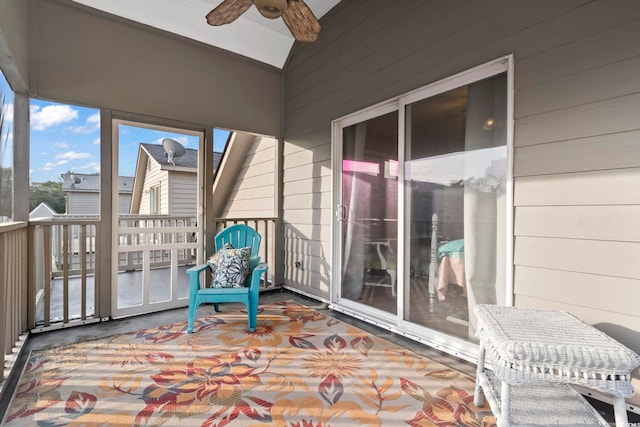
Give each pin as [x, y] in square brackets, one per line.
[72, 155]
[96, 141]
[61, 144]
[8, 113]
[51, 115]
[93, 165]
[50, 165]
[92, 124]
[94, 118]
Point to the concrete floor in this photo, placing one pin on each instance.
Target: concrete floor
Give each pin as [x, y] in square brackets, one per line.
[98, 330]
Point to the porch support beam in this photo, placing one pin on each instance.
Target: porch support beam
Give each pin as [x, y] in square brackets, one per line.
[20, 157]
[206, 225]
[106, 225]
[278, 235]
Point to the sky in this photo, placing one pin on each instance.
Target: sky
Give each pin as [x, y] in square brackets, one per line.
[67, 138]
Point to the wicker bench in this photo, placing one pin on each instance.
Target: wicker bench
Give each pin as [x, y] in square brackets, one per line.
[540, 352]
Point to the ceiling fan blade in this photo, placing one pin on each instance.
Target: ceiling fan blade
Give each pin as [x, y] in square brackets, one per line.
[228, 11]
[301, 21]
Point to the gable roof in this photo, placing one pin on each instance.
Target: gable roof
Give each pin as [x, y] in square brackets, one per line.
[189, 160]
[157, 153]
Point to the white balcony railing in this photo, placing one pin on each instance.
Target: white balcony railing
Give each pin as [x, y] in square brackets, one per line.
[13, 293]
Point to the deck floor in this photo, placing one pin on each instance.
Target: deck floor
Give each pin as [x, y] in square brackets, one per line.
[96, 330]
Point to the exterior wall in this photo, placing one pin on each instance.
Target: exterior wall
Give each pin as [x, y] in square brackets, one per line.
[253, 192]
[83, 203]
[252, 195]
[109, 63]
[154, 176]
[183, 194]
[576, 159]
[124, 203]
[89, 203]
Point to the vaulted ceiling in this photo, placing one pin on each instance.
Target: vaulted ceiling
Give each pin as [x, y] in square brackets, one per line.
[251, 35]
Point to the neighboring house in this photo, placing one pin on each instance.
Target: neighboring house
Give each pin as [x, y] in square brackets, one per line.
[82, 192]
[43, 210]
[164, 188]
[246, 181]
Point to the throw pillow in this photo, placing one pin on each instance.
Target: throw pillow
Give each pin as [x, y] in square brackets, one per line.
[229, 267]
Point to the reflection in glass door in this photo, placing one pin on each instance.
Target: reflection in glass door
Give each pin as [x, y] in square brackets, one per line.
[455, 175]
[369, 212]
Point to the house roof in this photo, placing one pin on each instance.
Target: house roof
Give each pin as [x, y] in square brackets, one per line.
[90, 183]
[251, 35]
[189, 160]
[43, 210]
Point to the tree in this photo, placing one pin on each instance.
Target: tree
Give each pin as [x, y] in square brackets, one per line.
[49, 192]
[5, 172]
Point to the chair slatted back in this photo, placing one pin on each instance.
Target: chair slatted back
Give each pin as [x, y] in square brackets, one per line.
[239, 236]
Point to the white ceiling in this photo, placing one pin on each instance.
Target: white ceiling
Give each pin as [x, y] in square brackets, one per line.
[251, 35]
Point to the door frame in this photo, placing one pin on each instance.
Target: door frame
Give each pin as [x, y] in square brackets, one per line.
[205, 142]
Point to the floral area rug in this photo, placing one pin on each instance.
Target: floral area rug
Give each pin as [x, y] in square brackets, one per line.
[301, 368]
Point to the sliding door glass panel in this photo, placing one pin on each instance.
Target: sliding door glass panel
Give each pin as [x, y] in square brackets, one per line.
[455, 169]
[370, 212]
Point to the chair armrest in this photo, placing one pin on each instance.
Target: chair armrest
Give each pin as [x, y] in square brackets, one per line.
[194, 277]
[197, 269]
[255, 276]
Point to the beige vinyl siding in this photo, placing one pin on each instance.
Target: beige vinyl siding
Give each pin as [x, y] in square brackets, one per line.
[89, 203]
[577, 169]
[183, 194]
[83, 203]
[576, 133]
[307, 217]
[369, 53]
[154, 176]
[124, 203]
[253, 192]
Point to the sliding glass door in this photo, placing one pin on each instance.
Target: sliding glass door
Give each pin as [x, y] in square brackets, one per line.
[368, 212]
[455, 174]
[422, 191]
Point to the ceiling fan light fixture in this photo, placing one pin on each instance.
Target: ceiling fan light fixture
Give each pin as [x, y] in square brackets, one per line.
[271, 9]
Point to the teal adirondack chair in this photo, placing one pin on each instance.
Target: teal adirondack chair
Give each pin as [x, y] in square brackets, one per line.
[238, 236]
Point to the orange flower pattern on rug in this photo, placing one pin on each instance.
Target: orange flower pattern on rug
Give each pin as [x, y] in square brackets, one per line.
[300, 368]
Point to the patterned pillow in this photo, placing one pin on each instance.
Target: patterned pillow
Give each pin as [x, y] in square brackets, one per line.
[229, 267]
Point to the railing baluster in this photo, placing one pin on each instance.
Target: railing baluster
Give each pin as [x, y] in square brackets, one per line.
[82, 257]
[4, 279]
[96, 274]
[10, 337]
[13, 287]
[46, 249]
[66, 250]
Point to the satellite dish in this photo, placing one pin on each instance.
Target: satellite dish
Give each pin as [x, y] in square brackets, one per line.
[173, 149]
[75, 179]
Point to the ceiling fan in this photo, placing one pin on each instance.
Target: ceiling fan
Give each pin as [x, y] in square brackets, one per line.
[298, 17]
